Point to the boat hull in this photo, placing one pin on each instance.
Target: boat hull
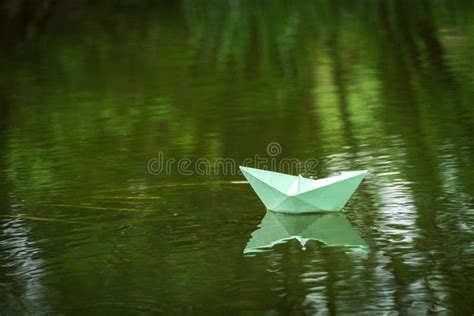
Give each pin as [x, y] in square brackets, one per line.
[295, 194]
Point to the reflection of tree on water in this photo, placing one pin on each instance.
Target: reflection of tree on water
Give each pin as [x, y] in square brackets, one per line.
[24, 292]
[211, 75]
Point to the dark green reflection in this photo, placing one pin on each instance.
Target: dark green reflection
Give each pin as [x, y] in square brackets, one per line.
[90, 91]
[277, 228]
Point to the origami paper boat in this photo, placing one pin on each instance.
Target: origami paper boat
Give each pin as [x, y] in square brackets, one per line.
[332, 229]
[295, 194]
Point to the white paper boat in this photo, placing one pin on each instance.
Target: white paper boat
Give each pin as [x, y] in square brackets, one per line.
[295, 194]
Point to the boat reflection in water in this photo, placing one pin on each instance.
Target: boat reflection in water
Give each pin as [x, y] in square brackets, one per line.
[332, 229]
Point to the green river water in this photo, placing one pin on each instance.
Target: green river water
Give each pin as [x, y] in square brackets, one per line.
[96, 98]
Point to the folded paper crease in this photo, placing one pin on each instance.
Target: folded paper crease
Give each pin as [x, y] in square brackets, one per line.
[295, 194]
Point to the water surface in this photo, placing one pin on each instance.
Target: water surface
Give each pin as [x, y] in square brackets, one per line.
[90, 93]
